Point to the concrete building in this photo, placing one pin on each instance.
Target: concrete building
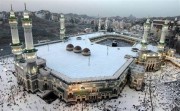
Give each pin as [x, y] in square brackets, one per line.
[137, 76]
[42, 14]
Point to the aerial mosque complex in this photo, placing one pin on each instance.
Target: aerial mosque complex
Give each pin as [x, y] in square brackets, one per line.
[80, 68]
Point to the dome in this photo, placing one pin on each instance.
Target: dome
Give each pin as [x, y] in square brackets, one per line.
[69, 47]
[86, 52]
[77, 49]
[135, 49]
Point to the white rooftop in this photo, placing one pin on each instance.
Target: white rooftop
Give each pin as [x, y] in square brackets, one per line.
[104, 61]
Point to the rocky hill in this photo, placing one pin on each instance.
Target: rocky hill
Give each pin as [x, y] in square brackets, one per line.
[42, 29]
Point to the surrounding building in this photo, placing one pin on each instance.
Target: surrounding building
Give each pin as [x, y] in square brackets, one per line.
[42, 14]
[55, 17]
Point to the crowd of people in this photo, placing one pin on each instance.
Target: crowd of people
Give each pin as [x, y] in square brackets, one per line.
[161, 93]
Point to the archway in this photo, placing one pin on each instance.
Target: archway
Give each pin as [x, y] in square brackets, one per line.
[70, 95]
[45, 86]
[153, 67]
[115, 91]
[60, 97]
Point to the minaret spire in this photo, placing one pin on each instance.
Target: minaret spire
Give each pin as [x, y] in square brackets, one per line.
[26, 14]
[30, 51]
[62, 27]
[146, 33]
[16, 46]
[11, 8]
[106, 24]
[164, 31]
[163, 35]
[12, 12]
[99, 23]
[25, 6]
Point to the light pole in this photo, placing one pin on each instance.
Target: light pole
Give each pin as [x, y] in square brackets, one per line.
[1, 51]
[107, 50]
[48, 46]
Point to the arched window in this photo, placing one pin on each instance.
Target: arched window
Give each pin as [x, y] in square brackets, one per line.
[70, 95]
[45, 86]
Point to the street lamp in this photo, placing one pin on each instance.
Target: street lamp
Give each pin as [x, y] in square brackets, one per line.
[107, 50]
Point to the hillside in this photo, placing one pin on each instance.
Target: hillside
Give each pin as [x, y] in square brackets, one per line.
[42, 29]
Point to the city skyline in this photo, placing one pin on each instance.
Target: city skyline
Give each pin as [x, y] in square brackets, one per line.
[103, 8]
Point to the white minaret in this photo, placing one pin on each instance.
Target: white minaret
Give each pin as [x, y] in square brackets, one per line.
[16, 45]
[62, 27]
[30, 51]
[146, 31]
[99, 24]
[163, 36]
[122, 24]
[164, 32]
[106, 24]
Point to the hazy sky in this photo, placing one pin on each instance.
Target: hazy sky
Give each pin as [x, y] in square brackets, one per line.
[138, 8]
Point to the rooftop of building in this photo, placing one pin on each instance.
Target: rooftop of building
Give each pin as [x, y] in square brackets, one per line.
[104, 61]
[138, 69]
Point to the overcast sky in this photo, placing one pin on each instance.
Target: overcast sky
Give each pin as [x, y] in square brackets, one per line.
[138, 8]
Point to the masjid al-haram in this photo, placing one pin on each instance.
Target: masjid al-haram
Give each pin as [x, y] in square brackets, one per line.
[88, 67]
